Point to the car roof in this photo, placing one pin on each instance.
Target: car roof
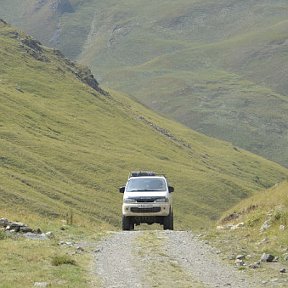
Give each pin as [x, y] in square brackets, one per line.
[150, 177]
[135, 174]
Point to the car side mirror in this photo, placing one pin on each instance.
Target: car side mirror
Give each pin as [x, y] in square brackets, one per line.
[171, 189]
[122, 189]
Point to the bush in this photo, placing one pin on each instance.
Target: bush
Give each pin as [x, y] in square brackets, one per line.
[2, 235]
[254, 220]
[280, 215]
[62, 259]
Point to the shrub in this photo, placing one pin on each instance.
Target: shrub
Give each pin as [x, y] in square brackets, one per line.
[2, 235]
[254, 220]
[62, 259]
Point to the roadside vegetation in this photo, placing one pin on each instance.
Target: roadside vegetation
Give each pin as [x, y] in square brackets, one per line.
[263, 220]
[55, 262]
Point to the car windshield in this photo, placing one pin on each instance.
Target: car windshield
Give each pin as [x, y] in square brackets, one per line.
[146, 184]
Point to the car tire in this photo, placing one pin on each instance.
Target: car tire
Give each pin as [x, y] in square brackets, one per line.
[168, 222]
[126, 223]
[131, 225]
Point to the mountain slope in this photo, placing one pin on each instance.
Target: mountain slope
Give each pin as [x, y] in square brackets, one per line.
[65, 145]
[263, 229]
[217, 66]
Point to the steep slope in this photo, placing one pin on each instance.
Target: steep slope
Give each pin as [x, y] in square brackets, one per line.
[217, 66]
[263, 229]
[65, 145]
[270, 205]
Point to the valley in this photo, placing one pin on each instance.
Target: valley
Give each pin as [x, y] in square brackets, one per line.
[218, 67]
[69, 136]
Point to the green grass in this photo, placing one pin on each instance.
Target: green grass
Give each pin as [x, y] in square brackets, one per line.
[65, 149]
[24, 262]
[3, 235]
[270, 205]
[63, 260]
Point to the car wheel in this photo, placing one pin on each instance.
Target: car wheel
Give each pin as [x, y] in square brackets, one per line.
[168, 222]
[126, 225]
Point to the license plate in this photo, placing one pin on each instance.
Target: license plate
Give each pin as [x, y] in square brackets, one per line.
[145, 206]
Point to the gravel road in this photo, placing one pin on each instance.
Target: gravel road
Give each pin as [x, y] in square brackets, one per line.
[165, 259]
[115, 262]
[204, 263]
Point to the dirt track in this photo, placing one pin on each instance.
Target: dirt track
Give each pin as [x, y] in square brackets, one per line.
[165, 259]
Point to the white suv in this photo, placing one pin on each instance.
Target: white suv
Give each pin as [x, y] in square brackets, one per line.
[146, 199]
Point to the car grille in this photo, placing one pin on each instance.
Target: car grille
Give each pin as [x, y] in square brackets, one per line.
[146, 199]
[145, 210]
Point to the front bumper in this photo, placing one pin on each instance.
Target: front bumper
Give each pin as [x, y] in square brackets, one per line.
[146, 209]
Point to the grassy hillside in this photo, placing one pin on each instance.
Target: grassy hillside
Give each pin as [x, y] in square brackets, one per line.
[270, 205]
[217, 66]
[65, 148]
[263, 229]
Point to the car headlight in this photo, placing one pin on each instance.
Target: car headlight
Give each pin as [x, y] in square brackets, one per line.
[162, 199]
[129, 200]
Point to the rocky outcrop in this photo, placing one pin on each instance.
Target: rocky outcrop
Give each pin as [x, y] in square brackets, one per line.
[268, 258]
[41, 53]
[83, 73]
[17, 227]
[32, 43]
[33, 48]
[3, 22]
